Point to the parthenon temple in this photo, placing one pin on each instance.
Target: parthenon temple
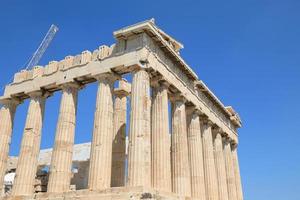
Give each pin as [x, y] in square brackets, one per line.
[182, 140]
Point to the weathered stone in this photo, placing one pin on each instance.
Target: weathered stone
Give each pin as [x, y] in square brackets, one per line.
[51, 68]
[104, 52]
[211, 182]
[7, 113]
[196, 155]
[229, 170]
[220, 166]
[86, 56]
[119, 139]
[20, 76]
[67, 63]
[101, 150]
[161, 165]
[61, 161]
[139, 150]
[238, 182]
[181, 180]
[30, 147]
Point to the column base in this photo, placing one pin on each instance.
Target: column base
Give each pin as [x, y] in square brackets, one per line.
[118, 193]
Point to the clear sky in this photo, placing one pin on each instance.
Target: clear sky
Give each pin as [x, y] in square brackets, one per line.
[247, 52]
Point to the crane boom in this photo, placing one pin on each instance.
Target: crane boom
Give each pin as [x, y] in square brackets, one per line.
[43, 46]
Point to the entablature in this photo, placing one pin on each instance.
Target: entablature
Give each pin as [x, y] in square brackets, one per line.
[57, 73]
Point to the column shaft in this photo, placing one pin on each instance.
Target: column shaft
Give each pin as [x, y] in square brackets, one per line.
[61, 160]
[220, 167]
[238, 182]
[30, 147]
[181, 182]
[161, 159]
[119, 141]
[139, 152]
[7, 113]
[211, 182]
[101, 150]
[229, 171]
[196, 157]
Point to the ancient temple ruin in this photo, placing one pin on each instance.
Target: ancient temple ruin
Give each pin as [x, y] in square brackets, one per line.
[193, 158]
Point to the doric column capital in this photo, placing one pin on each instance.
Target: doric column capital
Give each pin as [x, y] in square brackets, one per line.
[234, 145]
[227, 140]
[121, 93]
[178, 98]
[10, 102]
[217, 132]
[145, 68]
[198, 111]
[159, 81]
[39, 94]
[206, 121]
[155, 79]
[194, 111]
[164, 84]
[218, 129]
[218, 135]
[70, 86]
[124, 89]
[109, 77]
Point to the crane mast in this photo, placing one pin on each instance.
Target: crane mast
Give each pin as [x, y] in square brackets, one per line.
[42, 48]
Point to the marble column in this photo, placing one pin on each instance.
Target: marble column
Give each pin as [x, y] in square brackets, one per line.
[139, 149]
[30, 146]
[161, 158]
[211, 182]
[101, 149]
[61, 160]
[7, 113]
[220, 165]
[229, 170]
[181, 180]
[119, 137]
[238, 182]
[196, 155]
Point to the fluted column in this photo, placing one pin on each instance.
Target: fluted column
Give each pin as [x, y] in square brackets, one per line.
[196, 155]
[119, 138]
[101, 149]
[211, 182]
[161, 159]
[229, 170]
[30, 147]
[7, 114]
[139, 150]
[61, 160]
[181, 180]
[220, 166]
[238, 182]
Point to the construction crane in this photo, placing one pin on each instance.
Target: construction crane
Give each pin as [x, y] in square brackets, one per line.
[42, 48]
[39, 52]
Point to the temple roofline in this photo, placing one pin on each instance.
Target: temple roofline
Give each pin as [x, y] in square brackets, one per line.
[176, 44]
[151, 29]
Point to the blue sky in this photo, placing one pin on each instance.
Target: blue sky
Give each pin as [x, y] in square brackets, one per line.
[247, 52]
